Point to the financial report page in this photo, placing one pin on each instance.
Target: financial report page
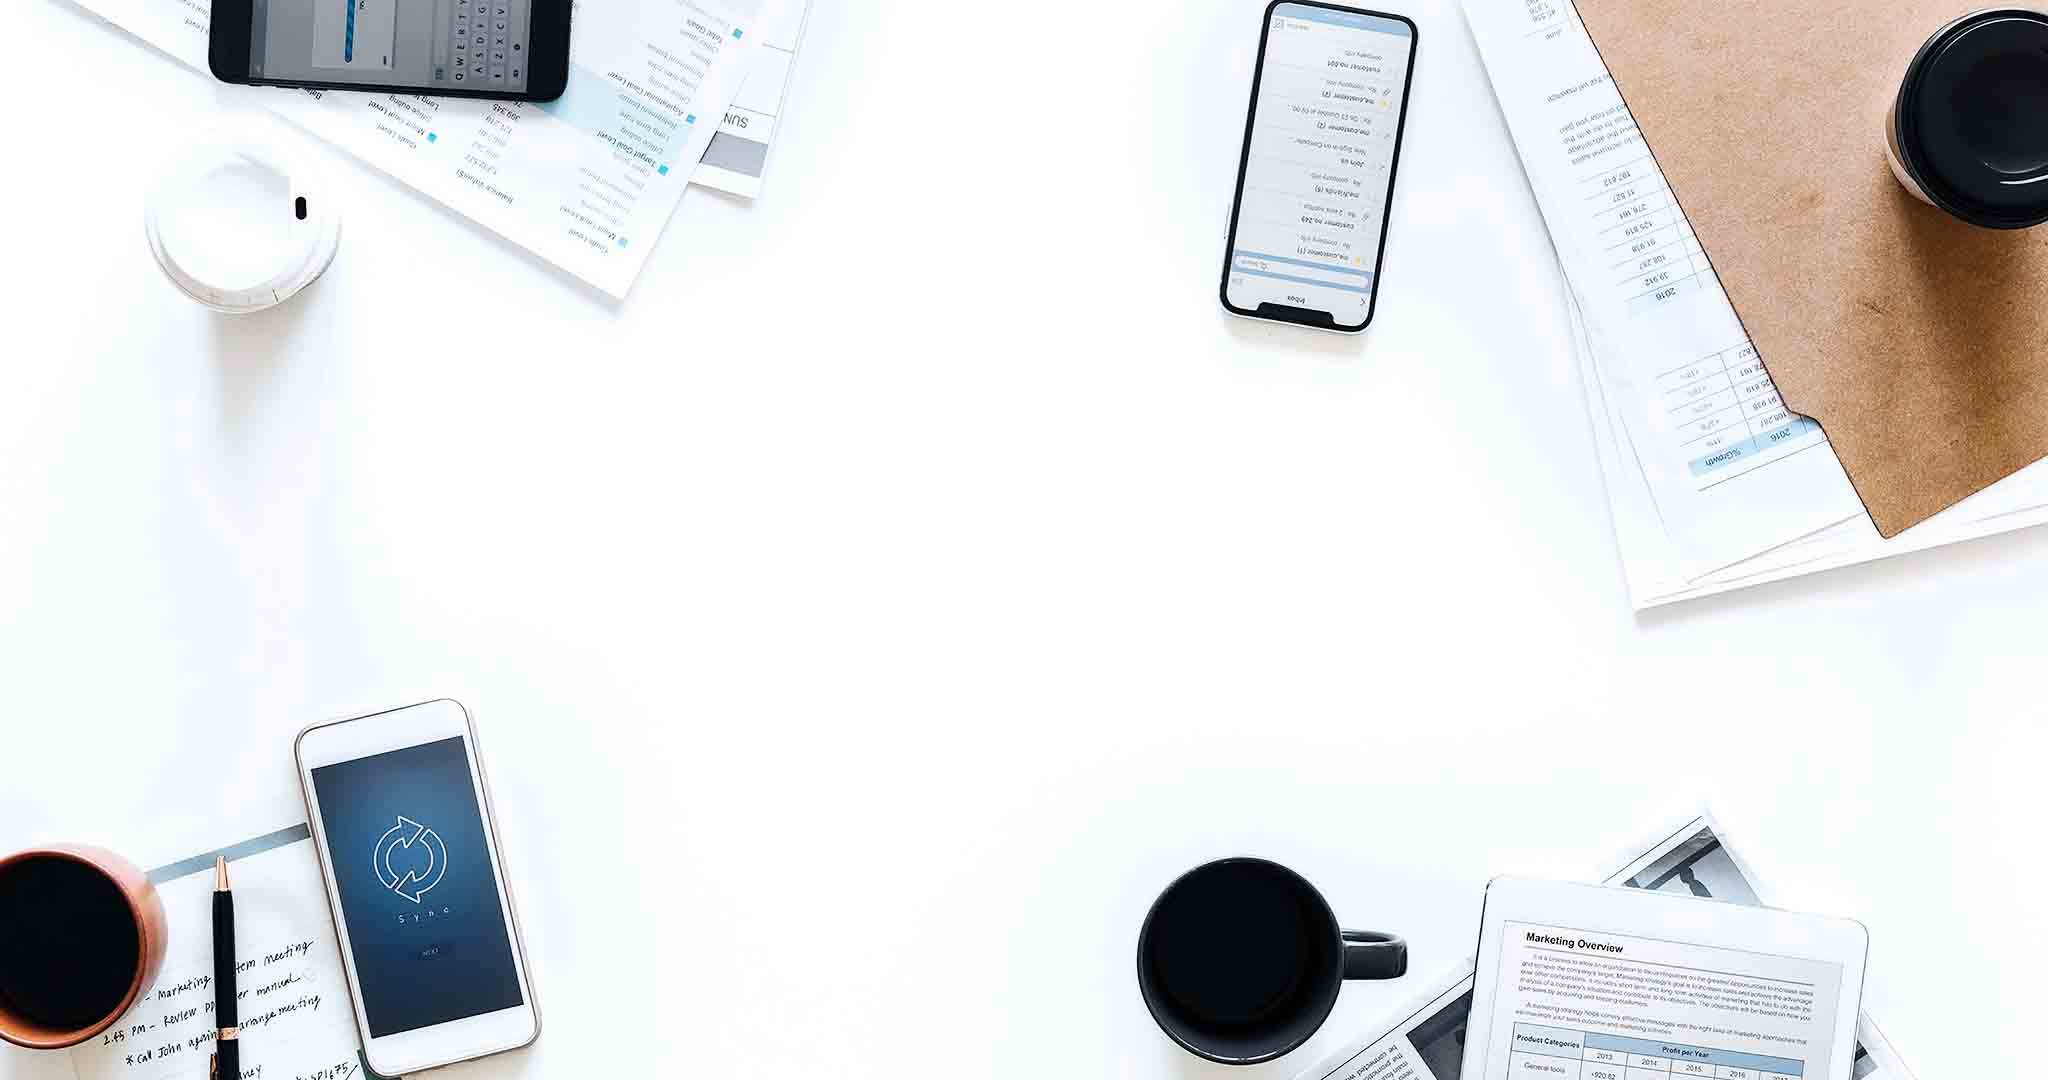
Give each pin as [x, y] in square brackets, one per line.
[1319, 167]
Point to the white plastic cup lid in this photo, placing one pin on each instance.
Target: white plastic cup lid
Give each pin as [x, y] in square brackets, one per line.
[238, 225]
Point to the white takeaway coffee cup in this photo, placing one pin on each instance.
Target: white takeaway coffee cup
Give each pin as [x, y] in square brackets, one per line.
[240, 223]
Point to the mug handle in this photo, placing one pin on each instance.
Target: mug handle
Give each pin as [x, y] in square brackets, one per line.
[1369, 954]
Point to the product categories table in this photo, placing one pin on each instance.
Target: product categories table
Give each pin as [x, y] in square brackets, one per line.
[1548, 1053]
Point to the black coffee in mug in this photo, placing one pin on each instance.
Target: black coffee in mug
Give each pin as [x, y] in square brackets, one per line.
[1240, 960]
[70, 945]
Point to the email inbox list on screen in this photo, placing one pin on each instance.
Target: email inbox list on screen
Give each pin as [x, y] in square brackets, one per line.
[406, 840]
[1320, 166]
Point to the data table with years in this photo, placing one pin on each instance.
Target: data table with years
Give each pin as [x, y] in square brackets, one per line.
[1549, 1053]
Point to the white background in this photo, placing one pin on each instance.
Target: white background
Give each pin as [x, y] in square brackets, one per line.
[870, 615]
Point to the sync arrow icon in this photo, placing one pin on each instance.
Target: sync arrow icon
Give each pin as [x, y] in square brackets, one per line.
[424, 858]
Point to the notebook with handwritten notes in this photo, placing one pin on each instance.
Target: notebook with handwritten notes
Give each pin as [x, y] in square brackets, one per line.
[296, 1023]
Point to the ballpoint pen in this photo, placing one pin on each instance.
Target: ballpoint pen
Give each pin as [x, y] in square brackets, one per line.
[227, 1046]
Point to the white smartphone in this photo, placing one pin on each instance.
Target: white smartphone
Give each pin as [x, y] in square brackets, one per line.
[1308, 224]
[401, 820]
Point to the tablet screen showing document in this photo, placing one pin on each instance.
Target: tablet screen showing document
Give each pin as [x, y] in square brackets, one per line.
[1580, 982]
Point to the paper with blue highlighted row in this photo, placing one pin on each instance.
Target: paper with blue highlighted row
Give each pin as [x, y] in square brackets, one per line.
[587, 182]
[1735, 473]
[1714, 485]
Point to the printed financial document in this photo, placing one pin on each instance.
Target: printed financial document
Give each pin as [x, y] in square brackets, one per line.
[1427, 1039]
[1734, 473]
[738, 154]
[587, 182]
[1656, 576]
[1656, 566]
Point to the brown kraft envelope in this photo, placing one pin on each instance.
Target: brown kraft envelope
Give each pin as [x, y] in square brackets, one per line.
[1919, 343]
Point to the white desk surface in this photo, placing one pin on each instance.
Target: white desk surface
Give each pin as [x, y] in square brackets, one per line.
[869, 616]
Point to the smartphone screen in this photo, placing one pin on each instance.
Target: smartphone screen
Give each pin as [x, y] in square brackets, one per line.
[1308, 228]
[418, 888]
[429, 44]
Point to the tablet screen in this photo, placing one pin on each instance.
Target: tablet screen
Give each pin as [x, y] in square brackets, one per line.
[1580, 982]
[1589, 1005]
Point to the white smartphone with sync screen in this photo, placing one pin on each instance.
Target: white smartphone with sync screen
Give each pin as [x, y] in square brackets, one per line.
[401, 821]
[1308, 224]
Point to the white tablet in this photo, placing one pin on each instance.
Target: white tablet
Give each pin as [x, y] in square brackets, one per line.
[1587, 982]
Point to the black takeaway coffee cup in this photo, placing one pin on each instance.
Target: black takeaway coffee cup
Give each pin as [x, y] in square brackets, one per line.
[1241, 959]
[1968, 132]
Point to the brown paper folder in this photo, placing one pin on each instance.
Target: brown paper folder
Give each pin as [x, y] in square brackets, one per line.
[1919, 343]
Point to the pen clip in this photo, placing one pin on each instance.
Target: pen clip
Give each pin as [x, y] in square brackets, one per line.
[212, 1066]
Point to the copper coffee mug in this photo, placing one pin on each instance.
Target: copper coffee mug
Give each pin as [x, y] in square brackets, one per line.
[61, 972]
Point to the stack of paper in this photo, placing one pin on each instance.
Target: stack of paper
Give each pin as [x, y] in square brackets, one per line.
[587, 182]
[1714, 484]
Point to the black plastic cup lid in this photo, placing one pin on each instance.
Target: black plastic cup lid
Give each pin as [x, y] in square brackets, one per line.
[1973, 118]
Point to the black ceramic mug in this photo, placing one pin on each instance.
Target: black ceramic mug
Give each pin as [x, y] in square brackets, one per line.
[1241, 959]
